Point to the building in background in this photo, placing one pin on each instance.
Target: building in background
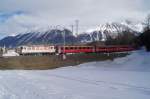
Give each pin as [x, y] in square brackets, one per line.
[10, 53]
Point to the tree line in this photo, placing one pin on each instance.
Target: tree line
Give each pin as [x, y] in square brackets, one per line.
[144, 38]
[130, 38]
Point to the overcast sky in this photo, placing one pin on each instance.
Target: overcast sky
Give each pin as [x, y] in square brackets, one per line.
[18, 16]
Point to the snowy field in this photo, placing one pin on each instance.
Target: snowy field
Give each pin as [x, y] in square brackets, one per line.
[123, 78]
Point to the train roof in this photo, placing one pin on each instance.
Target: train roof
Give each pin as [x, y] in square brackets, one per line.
[35, 45]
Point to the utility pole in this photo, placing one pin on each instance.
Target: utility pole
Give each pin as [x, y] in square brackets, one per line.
[64, 34]
[77, 26]
[64, 39]
[72, 28]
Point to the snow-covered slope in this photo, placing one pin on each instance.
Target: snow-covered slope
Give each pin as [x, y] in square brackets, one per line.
[123, 78]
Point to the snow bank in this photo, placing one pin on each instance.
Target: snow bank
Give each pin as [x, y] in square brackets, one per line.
[123, 78]
[137, 61]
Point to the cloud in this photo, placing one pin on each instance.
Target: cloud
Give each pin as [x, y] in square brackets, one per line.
[5, 16]
[18, 16]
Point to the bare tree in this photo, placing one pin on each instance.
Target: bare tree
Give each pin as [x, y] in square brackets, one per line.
[147, 22]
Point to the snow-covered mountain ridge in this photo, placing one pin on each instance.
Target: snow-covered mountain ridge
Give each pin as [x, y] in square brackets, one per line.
[56, 36]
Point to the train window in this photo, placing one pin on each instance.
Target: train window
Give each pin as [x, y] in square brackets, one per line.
[29, 48]
[62, 48]
[47, 48]
[24, 48]
[42, 48]
[65, 47]
[33, 48]
[37, 48]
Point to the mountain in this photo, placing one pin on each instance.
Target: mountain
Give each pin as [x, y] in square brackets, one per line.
[56, 36]
[53, 36]
[105, 31]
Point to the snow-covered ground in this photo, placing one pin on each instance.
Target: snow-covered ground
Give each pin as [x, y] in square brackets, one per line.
[123, 78]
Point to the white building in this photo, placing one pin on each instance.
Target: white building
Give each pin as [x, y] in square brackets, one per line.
[10, 53]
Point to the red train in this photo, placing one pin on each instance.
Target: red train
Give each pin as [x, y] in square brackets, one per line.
[92, 49]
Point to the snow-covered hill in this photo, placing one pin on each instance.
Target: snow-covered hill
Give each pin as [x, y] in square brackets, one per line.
[122, 78]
